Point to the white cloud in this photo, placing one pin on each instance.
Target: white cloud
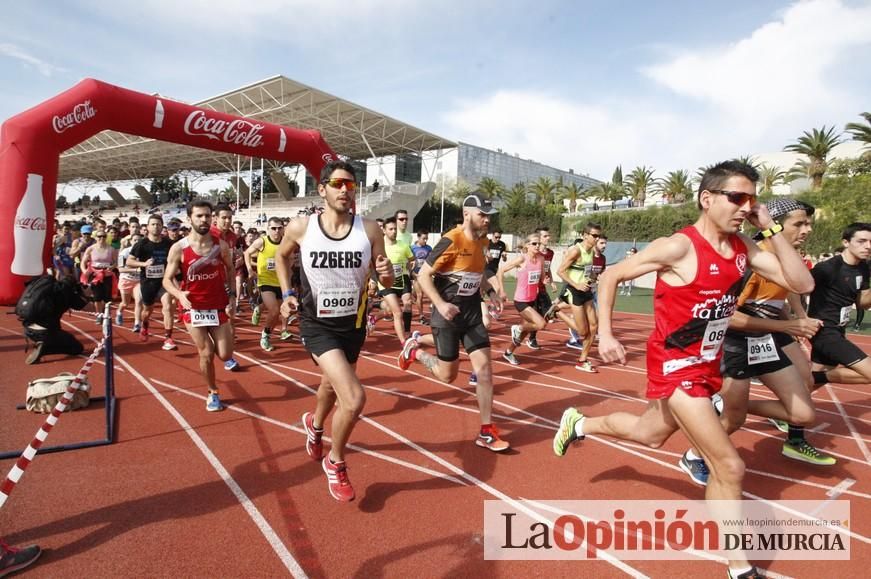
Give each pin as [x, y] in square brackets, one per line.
[752, 96]
[13, 51]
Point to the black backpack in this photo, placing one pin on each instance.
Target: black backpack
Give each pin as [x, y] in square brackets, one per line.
[39, 300]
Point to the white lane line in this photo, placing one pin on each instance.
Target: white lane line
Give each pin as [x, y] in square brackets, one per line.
[859, 442]
[291, 564]
[839, 488]
[819, 427]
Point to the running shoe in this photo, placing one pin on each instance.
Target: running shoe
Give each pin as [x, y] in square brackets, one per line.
[532, 344]
[695, 468]
[406, 356]
[14, 559]
[780, 425]
[424, 322]
[370, 324]
[119, 319]
[805, 452]
[575, 344]
[550, 314]
[314, 446]
[511, 358]
[337, 480]
[143, 331]
[136, 328]
[213, 403]
[586, 366]
[266, 343]
[291, 319]
[231, 365]
[516, 335]
[491, 440]
[473, 379]
[255, 317]
[285, 335]
[753, 573]
[574, 336]
[566, 433]
[169, 344]
[717, 403]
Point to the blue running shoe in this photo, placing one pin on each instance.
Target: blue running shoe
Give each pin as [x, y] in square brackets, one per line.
[231, 365]
[696, 468]
[213, 403]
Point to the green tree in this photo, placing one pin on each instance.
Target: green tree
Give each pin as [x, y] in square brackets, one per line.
[607, 190]
[459, 191]
[816, 146]
[770, 177]
[573, 192]
[639, 182]
[516, 196]
[544, 190]
[839, 202]
[862, 132]
[850, 167]
[491, 188]
[676, 187]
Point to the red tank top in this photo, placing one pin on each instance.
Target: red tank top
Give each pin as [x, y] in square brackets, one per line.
[204, 277]
[685, 347]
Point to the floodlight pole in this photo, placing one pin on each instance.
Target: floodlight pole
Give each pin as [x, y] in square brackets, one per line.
[442, 229]
[238, 178]
[262, 178]
[251, 179]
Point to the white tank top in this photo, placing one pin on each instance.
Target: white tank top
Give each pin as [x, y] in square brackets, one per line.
[334, 276]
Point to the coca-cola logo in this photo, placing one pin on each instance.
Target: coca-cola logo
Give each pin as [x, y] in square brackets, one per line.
[80, 113]
[237, 132]
[31, 223]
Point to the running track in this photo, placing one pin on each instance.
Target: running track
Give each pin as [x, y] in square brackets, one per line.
[186, 493]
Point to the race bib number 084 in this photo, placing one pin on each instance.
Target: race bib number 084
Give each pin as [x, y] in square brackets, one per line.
[715, 333]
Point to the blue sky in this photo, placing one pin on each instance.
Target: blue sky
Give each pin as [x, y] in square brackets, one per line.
[586, 85]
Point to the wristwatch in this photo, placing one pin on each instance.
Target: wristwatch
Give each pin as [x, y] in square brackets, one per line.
[772, 231]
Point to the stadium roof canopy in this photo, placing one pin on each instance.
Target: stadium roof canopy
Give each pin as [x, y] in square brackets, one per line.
[351, 130]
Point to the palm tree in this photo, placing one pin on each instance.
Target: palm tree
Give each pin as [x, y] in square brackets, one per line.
[544, 190]
[607, 190]
[801, 170]
[862, 132]
[816, 145]
[573, 192]
[459, 191]
[676, 187]
[639, 182]
[516, 196]
[490, 188]
[769, 177]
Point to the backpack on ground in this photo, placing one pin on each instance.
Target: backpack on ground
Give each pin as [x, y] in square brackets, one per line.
[43, 393]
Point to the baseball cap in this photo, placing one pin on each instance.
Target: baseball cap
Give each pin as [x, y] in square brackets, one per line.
[477, 201]
[173, 225]
[781, 206]
[87, 229]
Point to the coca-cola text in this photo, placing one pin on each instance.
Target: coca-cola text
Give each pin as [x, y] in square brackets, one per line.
[238, 132]
[80, 113]
[32, 223]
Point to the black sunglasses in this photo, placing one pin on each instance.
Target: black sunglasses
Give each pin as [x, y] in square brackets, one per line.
[736, 197]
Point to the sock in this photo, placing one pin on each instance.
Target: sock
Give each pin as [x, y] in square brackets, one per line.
[486, 428]
[579, 427]
[795, 434]
[734, 573]
[167, 334]
[691, 455]
[406, 321]
[820, 378]
[532, 336]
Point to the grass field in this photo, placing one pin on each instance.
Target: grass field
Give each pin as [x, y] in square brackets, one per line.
[641, 302]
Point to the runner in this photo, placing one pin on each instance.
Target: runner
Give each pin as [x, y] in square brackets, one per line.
[543, 303]
[128, 285]
[699, 276]
[336, 249]
[403, 235]
[530, 267]
[204, 294]
[453, 278]
[841, 282]
[626, 286]
[760, 342]
[576, 270]
[421, 250]
[150, 255]
[222, 219]
[98, 263]
[401, 256]
[260, 258]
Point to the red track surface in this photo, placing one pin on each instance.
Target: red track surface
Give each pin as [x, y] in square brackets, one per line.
[153, 504]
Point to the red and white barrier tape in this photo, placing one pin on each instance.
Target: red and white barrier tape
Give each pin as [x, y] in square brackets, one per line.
[27, 456]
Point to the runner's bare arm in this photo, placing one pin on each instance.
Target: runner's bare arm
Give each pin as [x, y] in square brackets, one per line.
[382, 265]
[568, 259]
[227, 256]
[864, 300]
[251, 256]
[173, 267]
[784, 265]
[292, 235]
[514, 263]
[799, 327]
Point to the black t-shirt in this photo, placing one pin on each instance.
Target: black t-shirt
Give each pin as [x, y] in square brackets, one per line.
[146, 249]
[837, 285]
[494, 254]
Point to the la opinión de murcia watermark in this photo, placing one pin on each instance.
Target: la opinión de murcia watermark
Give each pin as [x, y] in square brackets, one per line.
[639, 530]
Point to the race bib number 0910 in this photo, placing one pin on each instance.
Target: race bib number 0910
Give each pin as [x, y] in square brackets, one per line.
[204, 318]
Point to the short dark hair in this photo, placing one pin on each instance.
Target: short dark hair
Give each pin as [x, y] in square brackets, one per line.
[855, 228]
[716, 176]
[398, 211]
[276, 220]
[200, 203]
[541, 228]
[157, 217]
[336, 165]
[497, 230]
[220, 207]
[389, 220]
[239, 223]
[423, 232]
[591, 226]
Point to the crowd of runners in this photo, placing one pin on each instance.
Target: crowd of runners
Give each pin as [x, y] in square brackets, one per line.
[728, 309]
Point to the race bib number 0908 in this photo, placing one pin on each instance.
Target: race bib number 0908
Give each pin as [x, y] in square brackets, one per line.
[338, 302]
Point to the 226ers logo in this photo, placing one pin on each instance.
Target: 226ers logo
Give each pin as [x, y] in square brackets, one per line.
[741, 263]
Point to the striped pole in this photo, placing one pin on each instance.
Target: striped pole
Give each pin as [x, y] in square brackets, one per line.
[27, 456]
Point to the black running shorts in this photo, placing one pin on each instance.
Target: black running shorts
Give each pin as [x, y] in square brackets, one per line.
[832, 348]
[319, 340]
[739, 354]
[575, 297]
[152, 290]
[447, 341]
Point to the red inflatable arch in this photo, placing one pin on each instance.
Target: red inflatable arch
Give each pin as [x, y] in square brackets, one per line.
[31, 144]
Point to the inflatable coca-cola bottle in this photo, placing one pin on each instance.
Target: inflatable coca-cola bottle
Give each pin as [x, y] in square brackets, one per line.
[29, 229]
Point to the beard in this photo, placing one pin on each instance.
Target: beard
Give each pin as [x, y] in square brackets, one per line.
[202, 229]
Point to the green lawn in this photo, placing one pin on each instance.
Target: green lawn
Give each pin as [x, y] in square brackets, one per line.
[641, 302]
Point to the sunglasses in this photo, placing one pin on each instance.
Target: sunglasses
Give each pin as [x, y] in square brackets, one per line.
[402, 218]
[337, 183]
[594, 235]
[736, 197]
[534, 243]
[275, 228]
